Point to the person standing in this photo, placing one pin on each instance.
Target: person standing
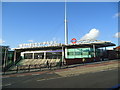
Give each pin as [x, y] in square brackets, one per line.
[47, 63]
[83, 60]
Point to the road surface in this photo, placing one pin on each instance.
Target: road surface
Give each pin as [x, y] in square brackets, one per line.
[104, 78]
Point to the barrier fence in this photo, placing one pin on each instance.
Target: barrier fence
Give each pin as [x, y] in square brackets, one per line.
[41, 67]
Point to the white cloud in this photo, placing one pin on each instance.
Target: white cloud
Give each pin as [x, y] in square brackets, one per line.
[1, 41]
[92, 34]
[117, 35]
[30, 40]
[116, 15]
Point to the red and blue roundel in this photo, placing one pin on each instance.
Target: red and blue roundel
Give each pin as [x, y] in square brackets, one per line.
[74, 40]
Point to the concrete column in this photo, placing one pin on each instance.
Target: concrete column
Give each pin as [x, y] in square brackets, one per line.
[105, 48]
[4, 65]
[62, 54]
[102, 53]
[81, 53]
[44, 55]
[65, 52]
[33, 56]
[14, 56]
[94, 50]
[106, 54]
[22, 55]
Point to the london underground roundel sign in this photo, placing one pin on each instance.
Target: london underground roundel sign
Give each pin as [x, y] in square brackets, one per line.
[73, 40]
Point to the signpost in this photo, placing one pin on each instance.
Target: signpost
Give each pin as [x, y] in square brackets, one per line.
[74, 40]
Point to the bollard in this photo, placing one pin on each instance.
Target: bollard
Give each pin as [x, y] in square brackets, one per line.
[67, 65]
[17, 69]
[4, 71]
[50, 66]
[35, 66]
[24, 68]
[29, 68]
[40, 67]
[60, 65]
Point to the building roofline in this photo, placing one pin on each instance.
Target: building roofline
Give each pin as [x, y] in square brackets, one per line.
[97, 44]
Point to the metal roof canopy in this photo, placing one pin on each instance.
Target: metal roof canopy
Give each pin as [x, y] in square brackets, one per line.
[97, 45]
[77, 45]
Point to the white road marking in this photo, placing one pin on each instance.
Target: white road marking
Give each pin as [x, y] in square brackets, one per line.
[35, 74]
[111, 69]
[49, 79]
[20, 75]
[6, 77]
[103, 70]
[49, 73]
[41, 80]
[7, 84]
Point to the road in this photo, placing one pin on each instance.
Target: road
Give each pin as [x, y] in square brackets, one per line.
[100, 79]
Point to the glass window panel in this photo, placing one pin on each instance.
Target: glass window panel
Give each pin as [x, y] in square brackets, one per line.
[54, 55]
[38, 55]
[79, 52]
[28, 55]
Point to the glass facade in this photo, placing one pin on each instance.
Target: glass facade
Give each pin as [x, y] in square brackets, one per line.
[69, 53]
[54, 55]
[10, 57]
[43, 55]
[81, 52]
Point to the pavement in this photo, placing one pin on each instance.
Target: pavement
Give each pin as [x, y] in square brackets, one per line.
[55, 68]
[89, 69]
[76, 69]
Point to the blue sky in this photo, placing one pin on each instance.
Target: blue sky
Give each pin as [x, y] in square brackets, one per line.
[26, 22]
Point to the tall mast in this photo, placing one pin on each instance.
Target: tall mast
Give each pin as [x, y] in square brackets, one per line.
[66, 26]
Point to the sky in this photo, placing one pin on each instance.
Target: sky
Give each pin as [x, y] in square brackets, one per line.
[31, 22]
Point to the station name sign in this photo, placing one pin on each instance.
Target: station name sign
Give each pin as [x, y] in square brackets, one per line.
[48, 43]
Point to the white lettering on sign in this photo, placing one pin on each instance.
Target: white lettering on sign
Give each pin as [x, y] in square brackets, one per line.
[51, 43]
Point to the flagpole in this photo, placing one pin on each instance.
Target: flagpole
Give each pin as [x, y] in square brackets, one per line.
[66, 26]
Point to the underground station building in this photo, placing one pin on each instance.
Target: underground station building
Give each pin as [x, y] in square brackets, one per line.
[74, 53]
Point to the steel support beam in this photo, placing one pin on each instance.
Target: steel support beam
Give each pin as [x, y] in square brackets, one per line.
[94, 50]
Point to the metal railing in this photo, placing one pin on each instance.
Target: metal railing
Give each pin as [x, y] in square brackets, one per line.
[41, 67]
[7, 68]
